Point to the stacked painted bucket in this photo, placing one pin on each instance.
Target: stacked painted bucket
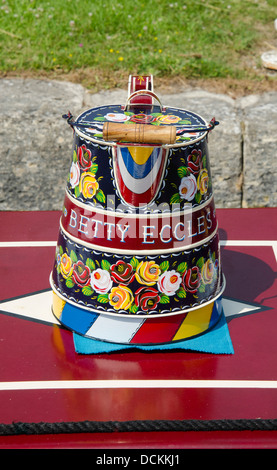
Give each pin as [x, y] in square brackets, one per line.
[138, 258]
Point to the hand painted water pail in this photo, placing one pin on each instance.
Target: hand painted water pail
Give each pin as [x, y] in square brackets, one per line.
[138, 256]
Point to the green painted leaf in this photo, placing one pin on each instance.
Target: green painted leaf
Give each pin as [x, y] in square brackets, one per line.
[103, 298]
[105, 265]
[87, 290]
[201, 288]
[175, 198]
[133, 308]
[198, 197]
[73, 256]
[77, 191]
[200, 262]
[164, 266]
[100, 196]
[93, 169]
[69, 282]
[181, 268]
[181, 293]
[184, 121]
[134, 262]
[182, 171]
[164, 299]
[75, 158]
[90, 264]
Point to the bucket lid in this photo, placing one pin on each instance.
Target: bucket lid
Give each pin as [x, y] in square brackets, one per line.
[188, 126]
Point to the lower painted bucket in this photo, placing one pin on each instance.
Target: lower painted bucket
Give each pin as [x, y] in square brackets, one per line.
[137, 330]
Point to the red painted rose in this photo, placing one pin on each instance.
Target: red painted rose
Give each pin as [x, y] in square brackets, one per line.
[122, 272]
[141, 118]
[194, 161]
[147, 298]
[84, 157]
[191, 279]
[81, 274]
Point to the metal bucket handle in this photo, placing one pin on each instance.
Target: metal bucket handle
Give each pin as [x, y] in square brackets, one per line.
[147, 93]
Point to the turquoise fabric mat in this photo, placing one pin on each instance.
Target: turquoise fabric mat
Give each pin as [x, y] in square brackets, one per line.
[215, 341]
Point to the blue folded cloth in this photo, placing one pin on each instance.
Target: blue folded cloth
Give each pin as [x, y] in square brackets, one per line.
[215, 341]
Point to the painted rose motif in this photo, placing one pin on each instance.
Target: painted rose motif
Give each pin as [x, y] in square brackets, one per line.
[84, 157]
[100, 281]
[74, 174]
[147, 298]
[195, 181]
[81, 274]
[122, 272]
[117, 117]
[142, 118]
[88, 185]
[168, 119]
[121, 297]
[116, 284]
[191, 279]
[169, 282]
[207, 272]
[66, 266]
[188, 187]
[194, 161]
[202, 181]
[82, 176]
[147, 273]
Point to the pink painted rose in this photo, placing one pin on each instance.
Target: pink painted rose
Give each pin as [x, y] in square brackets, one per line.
[169, 282]
[188, 187]
[74, 175]
[100, 281]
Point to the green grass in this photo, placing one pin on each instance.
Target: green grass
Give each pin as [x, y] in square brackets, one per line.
[193, 39]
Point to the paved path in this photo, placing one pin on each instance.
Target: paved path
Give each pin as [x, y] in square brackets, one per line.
[35, 150]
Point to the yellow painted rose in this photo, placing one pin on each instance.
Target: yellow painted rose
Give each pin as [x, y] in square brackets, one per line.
[169, 119]
[88, 185]
[121, 297]
[66, 266]
[207, 272]
[202, 181]
[148, 273]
